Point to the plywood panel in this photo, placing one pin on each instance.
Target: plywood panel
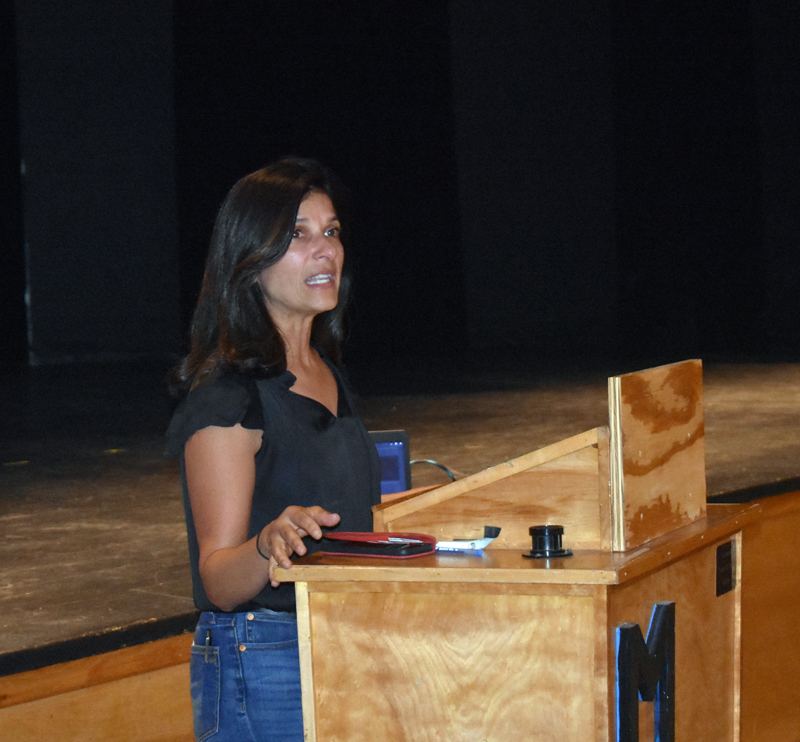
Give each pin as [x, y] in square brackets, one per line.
[407, 650]
[771, 623]
[152, 707]
[563, 492]
[88, 671]
[306, 661]
[508, 566]
[657, 451]
[707, 644]
[501, 668]
[405, 505]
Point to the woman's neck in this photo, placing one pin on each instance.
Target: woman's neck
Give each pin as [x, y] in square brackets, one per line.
[297, 343]
[313, 378]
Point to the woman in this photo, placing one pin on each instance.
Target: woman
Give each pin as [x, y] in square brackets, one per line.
[273, 451]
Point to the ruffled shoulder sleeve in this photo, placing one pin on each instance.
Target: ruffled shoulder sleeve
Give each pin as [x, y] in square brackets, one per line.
[224, 401]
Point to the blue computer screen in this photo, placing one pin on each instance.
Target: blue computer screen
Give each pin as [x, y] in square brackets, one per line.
[393, 471]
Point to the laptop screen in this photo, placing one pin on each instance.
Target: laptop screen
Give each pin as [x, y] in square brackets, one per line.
[393, 451]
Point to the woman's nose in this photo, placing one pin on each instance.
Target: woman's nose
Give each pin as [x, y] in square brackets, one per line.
[326, 247]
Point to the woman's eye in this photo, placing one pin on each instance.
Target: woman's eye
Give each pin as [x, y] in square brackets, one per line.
[333, 232]
[296, 234]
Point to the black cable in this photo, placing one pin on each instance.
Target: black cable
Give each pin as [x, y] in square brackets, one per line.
[435, 463]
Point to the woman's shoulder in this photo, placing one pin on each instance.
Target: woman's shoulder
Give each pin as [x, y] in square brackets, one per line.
[227, 399]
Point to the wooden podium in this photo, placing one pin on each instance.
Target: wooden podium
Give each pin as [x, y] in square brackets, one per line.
[497, 647]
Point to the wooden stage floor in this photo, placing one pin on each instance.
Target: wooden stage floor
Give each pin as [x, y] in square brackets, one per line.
[92, 542]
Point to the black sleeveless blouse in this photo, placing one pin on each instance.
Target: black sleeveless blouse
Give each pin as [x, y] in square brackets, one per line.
[307, 457]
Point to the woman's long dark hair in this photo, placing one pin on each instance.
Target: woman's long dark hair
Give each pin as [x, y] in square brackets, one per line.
[231, 327]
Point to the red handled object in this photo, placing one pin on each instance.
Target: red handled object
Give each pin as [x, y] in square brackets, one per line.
[384, 545]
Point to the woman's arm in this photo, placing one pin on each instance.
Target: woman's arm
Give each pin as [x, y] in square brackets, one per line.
[221, 474]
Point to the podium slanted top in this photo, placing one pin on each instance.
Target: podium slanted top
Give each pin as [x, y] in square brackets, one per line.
[612, 488]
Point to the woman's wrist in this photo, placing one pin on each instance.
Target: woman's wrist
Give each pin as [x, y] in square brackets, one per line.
[258, 547]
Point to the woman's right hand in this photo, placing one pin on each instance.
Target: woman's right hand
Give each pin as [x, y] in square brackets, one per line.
[284, 536]
[221, 475]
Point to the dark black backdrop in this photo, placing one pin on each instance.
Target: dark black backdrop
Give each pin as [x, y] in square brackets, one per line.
[689, 210]
[12, 270]
[697, 192]
[365, 91]
[704, 234]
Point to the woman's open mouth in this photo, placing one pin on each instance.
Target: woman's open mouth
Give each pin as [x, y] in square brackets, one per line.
[320, 278]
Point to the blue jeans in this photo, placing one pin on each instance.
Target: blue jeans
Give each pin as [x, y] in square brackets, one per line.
[245, 678]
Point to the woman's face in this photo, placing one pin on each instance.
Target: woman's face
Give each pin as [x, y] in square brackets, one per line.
[305, 281]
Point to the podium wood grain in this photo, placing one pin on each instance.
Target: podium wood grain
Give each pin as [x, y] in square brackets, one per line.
[454, 666]
[657, 460]
[503, 649]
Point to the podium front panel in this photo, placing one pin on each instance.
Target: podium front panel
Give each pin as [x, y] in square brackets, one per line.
[456, 662]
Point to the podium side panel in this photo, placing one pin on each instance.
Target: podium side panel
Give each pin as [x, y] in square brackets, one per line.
[605, 504]
[397, 666]
[306, 661]
[707, 644]
[657, 419]
[770, 623]
[563, 492]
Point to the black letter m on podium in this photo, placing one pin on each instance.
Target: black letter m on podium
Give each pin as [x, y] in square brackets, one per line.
[647, 670]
